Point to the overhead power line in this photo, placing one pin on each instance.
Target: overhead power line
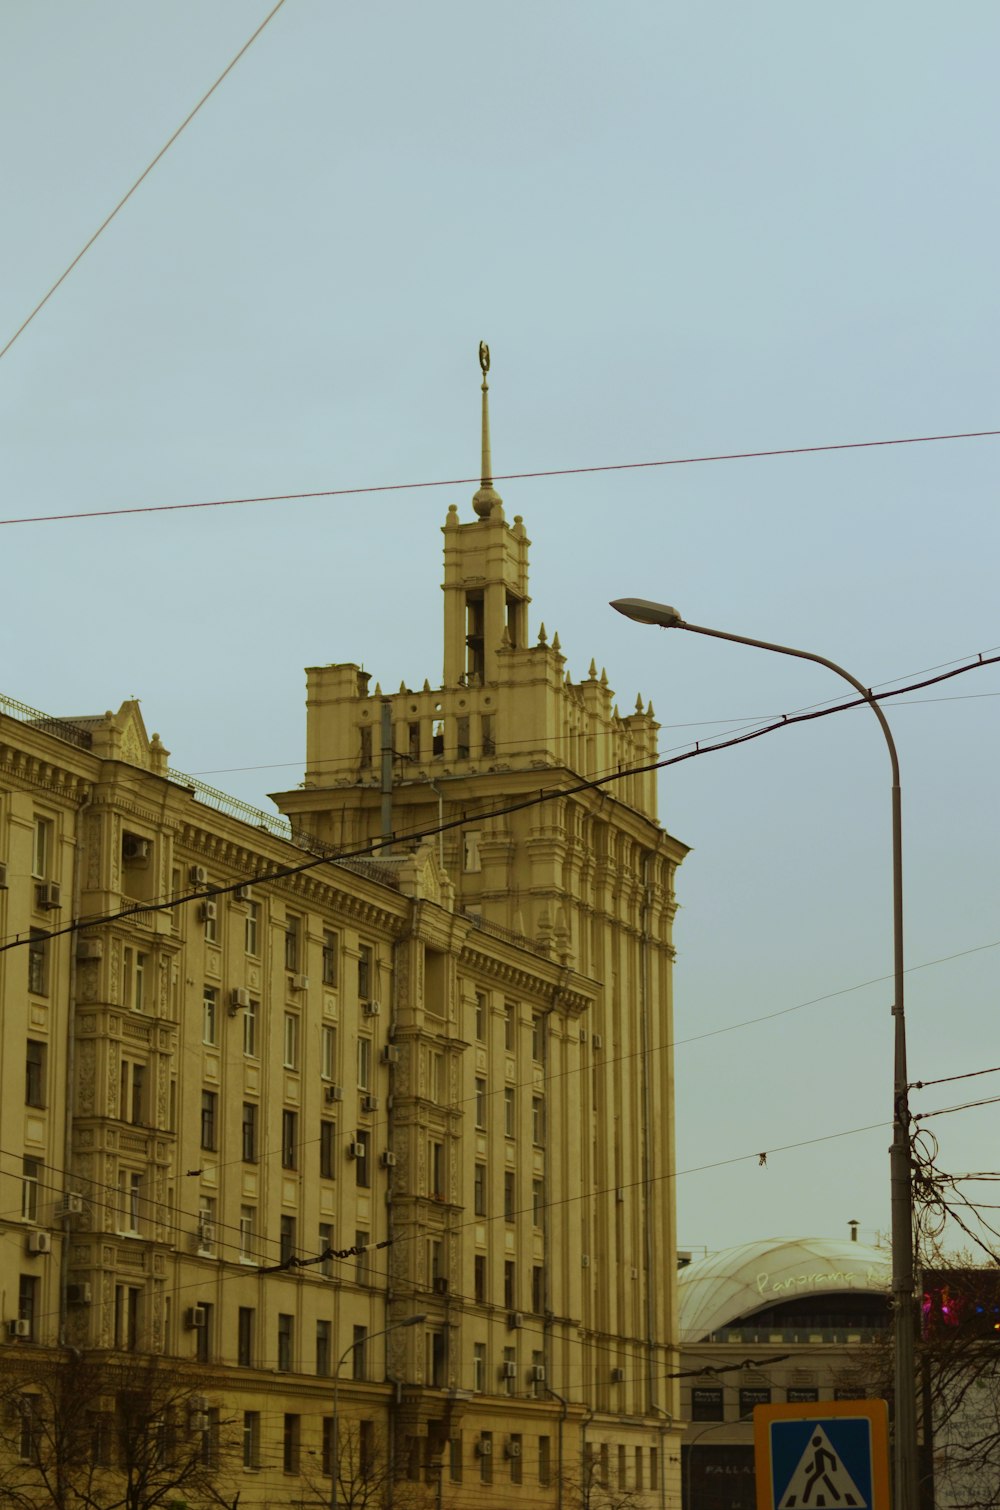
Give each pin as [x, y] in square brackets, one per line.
[456, 482]
[143, 175]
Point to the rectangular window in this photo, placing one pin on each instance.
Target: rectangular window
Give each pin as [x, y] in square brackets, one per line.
[325, 1245]
[435, 1164]
[209, 1113]
[331, 953]
[135, 974]
[287, 1238]
[328, 1052]
[129, 1191]
[364, 1063]
[545, 1461]
[365, 980]
[638, 1469]
[206, 1224]
[481, 1011]
[285, 1324]
[799, 1395]
[291, 1041]
[758, 1395]
[250, 1030]
[41, 851]
[538, 1039]
[248, 1231]
[479, 1190]
[326, 1448]
[508, 1195]
[480, 1101]
[707, 1403]
[323, 1335]
[538, 1121]
[289, 1140]
[360, 1354]
[244, 1336]
[537, 1203]
[538, 1288]
[479, 1277]
[538, 1369]
[361, 1265]
[362, 1171]
[479, 1367]
[293, 941]
[251, 930]
[516, 1460]
[509, 1380]
[508, 1111]
[31, 1174]
[290, 1444]
[27, 1302]
[622, 1468]
[486, 1457]
[251, 1439]
[249, 1131]
[210, 1015]
[38, 963]
[328, 1150]
[210, 911]
[654, 1467]
[509, 1012]
[126, 1333]
[509, 1285]
[34, 1073]
[455, 1458]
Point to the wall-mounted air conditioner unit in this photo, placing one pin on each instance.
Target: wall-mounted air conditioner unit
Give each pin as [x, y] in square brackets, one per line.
[508, 1370]
[515, 1319]
[369, 1103]
[298, 982]
[484, 1448]
[198, 875]
[134, 849]
[71, 1204]
[596, 1041]
[90, 949]
[239, 999]
[512, 1450]
[19, 1329]
[388, 1160]
[371, 1008]
[390, 1054]
[617, 1375]
[333, 1093]
[355, 1150]
[538, 1373]
[208, 911]
[48, 895]
[242, 894]
[440, 1285]
[78, 1294]
[39, 1242]
[195, 1317]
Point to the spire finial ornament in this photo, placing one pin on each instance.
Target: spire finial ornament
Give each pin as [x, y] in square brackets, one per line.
[484, 500]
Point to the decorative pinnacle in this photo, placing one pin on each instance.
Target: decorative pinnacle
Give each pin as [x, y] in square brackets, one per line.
[484, 500]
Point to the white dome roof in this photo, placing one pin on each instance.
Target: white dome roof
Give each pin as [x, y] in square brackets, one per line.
[739, 1281]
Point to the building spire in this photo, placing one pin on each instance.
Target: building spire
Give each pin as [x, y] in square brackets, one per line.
[487, 495]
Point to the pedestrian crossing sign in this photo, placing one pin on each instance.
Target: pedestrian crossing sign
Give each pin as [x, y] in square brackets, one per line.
[827, 1455]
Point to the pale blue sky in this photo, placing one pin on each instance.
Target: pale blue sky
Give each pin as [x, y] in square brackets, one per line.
[683, 229]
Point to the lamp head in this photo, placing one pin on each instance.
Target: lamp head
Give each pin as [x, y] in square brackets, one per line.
[642, 611]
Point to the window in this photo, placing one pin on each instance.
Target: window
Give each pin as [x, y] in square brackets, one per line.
[538, 1039]
[508, 1111]
[135, 974]
[538, 1368]
[509, 1011]
[622, 1467]
[129, 1193]
[289, 1139]
[362, 1172]
[31, 1174]
[328, 1051]
[462, 739]
[331, 951]
[545, 1461]
[537, 1202]
[285, 1323]
[436, 1077]
[509, 1379]
[508, 1195]
[34, 1073]
[509, 1284]
[538, 1121]
[210, 912]
[251, 1439]
[326, 1448]
[132, 1092]
[29, 1428]
[486, 1457]
[293, 941]
[328, 1150]
[209, 1115]
[455, 1458]
[366, 748]
[480, 1101]
[287, 1238]
[325, 1245]
[291, 1041]
[364, 1063]
[127, 1317]
[707, 1403]
[479, 1277]
[436, 1250]
[471, 860]
[757, 1395]
[251, 930]
[364, 972]
[249, 1132]
[210, 1015]
[323, 1337]
[359, 1359]
[41, 852]
[38, 962]
[248, 1230]
[244, 1336]
[538, 1288]
[801, 1395]
[27, 1302]
[361, 1269]
[435, 1164]
[654, 1467]
[250, 1030]
[638, 1469]
[481, 1007]
[291, 1437]
[479, 1190]
[516, 1460]
[206, 1224]
[478, 1367]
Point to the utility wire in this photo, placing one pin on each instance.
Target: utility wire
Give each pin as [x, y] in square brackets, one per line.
[919, 1085]
[455, 482]
[143, 175]
[572, 789]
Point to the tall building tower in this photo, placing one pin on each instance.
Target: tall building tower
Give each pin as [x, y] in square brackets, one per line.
[538, 1116]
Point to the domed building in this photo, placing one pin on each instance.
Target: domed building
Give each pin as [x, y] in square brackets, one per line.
[785, 1319]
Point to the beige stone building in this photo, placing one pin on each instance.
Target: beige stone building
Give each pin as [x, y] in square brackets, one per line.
[449, 1051]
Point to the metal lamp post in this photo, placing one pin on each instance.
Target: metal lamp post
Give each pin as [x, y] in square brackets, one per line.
[335, 1428]
[641, 611]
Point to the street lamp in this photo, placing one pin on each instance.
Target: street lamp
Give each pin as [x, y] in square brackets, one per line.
[335, 1426]
[641, 611]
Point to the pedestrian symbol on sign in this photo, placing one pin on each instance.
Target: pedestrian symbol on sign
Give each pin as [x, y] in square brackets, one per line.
[821, 1482]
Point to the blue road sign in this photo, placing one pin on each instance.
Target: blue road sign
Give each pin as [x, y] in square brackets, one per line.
[823, 1456]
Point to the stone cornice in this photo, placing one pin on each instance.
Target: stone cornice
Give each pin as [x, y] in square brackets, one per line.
[33, 772]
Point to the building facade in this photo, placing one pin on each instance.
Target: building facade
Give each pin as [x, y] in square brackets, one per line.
[362, 1115]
